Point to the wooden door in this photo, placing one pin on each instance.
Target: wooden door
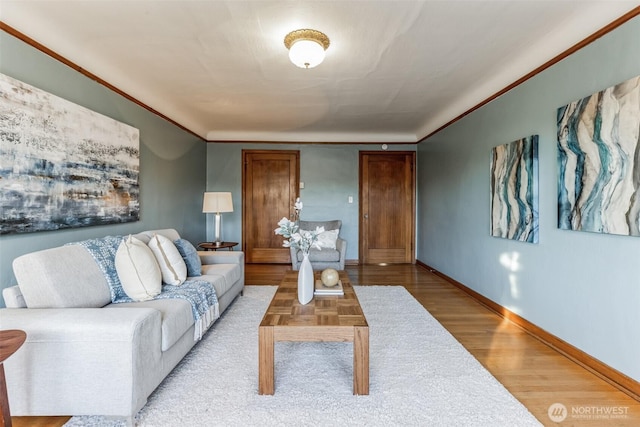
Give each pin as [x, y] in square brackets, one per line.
[270, 182]
[387, 207]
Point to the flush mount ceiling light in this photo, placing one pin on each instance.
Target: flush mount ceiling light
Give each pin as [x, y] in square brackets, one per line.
[306, 47]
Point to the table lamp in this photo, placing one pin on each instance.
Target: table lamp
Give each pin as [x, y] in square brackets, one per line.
[217, 202]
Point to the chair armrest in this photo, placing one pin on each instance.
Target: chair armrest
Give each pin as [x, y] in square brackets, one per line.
[221, 257]
[295, 264]
[341, 246]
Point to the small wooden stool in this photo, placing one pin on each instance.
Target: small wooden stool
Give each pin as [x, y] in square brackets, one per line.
[10, 342]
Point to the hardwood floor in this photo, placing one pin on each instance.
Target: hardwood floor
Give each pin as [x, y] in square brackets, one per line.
[535, 374]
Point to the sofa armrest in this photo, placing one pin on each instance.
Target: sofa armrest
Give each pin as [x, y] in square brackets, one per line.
[13, 297]
[82, 356]
[91, 324]
[221, 257]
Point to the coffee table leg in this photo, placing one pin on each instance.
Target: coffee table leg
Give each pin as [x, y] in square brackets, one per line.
[361, 360]
[265, 360]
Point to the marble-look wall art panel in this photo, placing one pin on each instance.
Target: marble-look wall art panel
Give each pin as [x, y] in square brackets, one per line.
[599, 161]
[514, 190]
[62, 165]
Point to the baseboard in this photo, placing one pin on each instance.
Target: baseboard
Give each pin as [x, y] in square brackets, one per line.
[351, 262]
[598, 368]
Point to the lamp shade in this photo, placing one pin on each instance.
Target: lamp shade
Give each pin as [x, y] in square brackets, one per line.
[217, 202]
[306, 53]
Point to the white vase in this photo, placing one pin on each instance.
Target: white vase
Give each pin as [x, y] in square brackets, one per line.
[305, 280]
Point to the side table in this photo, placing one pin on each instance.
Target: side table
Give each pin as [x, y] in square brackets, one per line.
[10, 341]
[211, 246]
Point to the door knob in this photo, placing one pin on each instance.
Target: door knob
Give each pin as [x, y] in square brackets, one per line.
[366, 216]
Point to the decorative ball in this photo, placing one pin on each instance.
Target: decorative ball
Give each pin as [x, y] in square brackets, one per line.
[329, 277]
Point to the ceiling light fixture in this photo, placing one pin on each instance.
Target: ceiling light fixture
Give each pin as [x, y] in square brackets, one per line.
[306, 47]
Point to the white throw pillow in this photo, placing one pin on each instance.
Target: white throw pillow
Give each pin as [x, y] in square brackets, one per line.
[327, 239]
[172, 266]
[138, 270]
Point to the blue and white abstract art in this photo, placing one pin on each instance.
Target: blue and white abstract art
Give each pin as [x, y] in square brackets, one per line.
[62, 165]
[514, 190]
[599, 161]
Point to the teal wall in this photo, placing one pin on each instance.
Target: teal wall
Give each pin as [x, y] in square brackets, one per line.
[329, 173]
[582, 287]
[172, 162]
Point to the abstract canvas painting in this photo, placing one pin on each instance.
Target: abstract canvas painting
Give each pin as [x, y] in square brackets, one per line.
[599, 161]
[514, 190]
[62, 165]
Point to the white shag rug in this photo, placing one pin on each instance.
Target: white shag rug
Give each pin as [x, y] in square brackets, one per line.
[419, 376]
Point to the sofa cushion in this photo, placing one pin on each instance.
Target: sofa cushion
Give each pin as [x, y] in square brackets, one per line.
[190, 256]
[221, 276]
[177, 317]
[172, 266]
[62, 277]
[138, 270]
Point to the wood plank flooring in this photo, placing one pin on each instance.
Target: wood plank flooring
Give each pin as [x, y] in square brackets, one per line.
[535, 374]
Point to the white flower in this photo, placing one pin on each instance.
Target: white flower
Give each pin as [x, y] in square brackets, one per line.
[296, 238]
[285, 226]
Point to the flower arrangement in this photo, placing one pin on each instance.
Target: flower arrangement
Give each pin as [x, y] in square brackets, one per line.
[295, 238]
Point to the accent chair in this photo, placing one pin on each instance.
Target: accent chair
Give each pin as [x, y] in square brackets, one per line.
[332, 255]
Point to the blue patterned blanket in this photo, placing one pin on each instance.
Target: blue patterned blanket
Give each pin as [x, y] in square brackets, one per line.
[199, 293]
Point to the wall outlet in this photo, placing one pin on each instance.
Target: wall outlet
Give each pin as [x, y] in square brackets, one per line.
[301, 184]
[350, 199]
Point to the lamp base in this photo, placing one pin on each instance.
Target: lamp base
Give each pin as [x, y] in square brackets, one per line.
[218, 221]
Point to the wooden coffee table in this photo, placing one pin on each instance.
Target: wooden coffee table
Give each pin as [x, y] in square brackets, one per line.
[325, 318]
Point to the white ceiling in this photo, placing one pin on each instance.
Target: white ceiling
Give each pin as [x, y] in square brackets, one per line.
[395, 71]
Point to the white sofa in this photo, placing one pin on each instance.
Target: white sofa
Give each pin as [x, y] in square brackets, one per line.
[87, 356]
